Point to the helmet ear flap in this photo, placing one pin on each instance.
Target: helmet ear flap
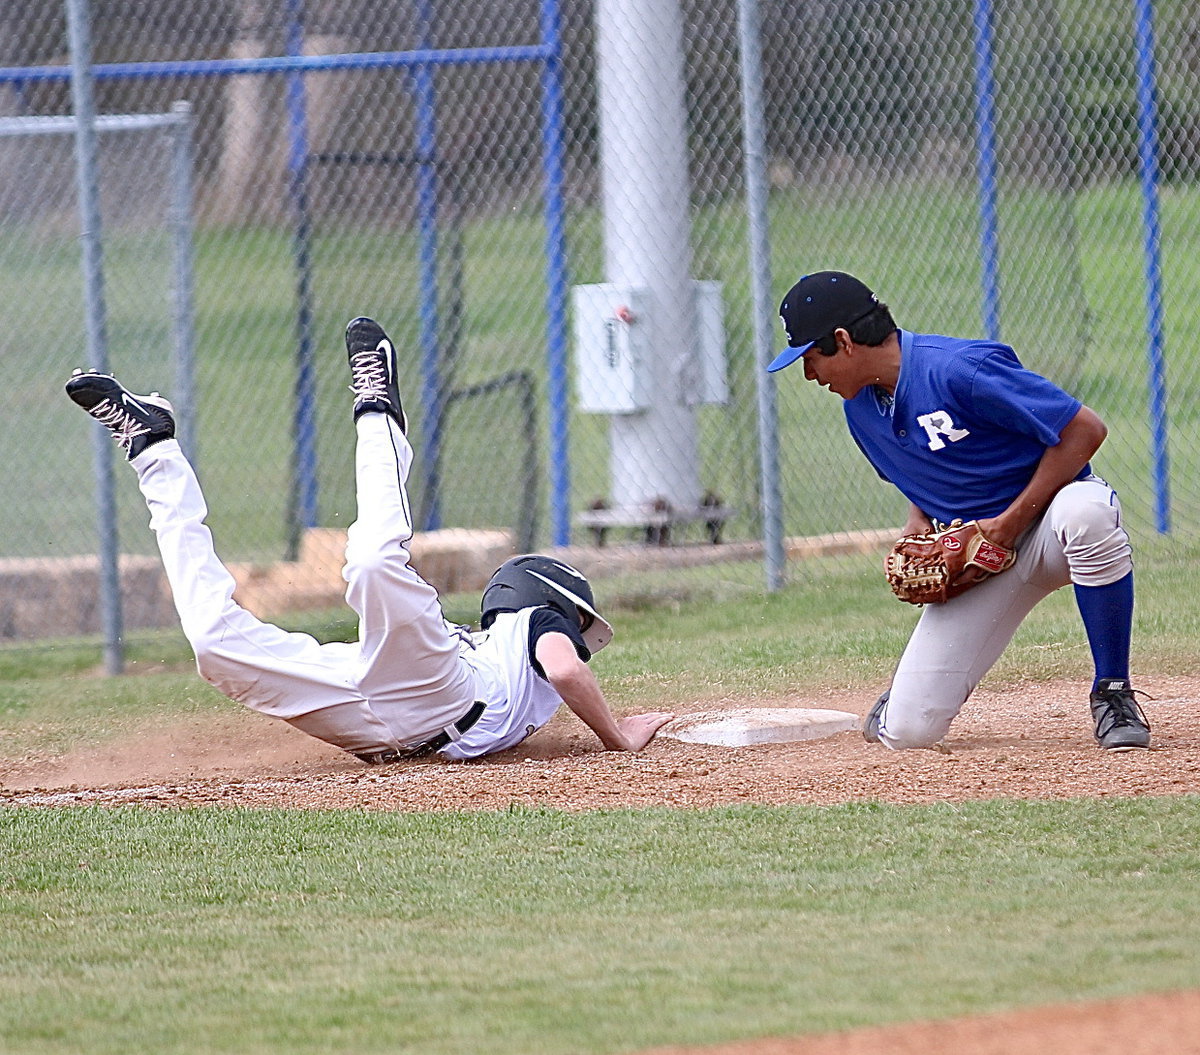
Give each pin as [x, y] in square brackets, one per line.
[494, 602]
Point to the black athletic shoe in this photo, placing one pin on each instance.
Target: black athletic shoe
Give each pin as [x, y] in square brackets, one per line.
[870, 726]
[135, 421]
[1120, 723]
[373, 371]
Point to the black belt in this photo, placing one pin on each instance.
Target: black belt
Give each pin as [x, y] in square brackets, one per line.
[426, 747]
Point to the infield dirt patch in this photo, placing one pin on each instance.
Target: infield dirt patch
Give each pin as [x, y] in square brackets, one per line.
[1028, 741]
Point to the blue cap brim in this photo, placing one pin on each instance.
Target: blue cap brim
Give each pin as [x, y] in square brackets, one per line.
[788, 356]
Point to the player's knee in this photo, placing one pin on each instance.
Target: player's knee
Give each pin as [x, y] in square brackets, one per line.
[1095, 519]
[212, 661]
[1094, 540]
[226, 675]
[204, 645]
[905, 728]
[364, 564]
[201, 635]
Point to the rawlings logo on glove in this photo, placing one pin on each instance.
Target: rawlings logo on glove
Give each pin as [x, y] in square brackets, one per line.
[926, 569]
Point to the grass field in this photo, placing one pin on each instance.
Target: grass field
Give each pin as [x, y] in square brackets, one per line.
[537, 931]
[532, 930]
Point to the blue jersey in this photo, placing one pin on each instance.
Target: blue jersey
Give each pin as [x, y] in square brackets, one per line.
[966, 428]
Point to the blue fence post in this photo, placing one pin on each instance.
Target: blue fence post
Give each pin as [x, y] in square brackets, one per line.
[304, 451]
[433, 396]
[556, 279]
[79, 31]
[1148, 170]
[985, 136]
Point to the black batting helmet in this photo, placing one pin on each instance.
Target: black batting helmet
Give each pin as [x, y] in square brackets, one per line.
[533, 579]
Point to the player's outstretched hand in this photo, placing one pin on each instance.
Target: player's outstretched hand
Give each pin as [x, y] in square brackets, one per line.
[639, 729]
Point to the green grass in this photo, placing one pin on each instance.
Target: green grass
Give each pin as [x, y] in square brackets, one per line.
[538, 931]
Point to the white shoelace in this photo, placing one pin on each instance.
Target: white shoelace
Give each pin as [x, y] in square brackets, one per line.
[368, 376]
[125, 427]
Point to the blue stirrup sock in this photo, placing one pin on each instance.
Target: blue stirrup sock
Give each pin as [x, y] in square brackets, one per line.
[1108, 620]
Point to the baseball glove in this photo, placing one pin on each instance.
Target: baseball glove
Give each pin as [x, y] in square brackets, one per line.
[926, 569]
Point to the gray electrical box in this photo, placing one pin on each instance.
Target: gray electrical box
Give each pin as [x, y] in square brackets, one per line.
[611, 360]
[612, 357]
[712, 385]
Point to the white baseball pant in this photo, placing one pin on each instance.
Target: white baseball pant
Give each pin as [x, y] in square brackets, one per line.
[1079, 539]
[400, 684]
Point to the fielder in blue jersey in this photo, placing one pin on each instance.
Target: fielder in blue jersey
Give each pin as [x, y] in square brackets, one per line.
[965, 432]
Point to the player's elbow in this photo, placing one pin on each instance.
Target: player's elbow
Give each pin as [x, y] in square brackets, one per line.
[1086, 430]
[569, 679]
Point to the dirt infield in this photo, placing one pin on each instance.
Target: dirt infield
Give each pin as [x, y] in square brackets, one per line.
[1029, 742]
[1160, 1024]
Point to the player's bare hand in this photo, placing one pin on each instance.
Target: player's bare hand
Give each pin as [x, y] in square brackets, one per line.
[995, 530]
[917, 523]
[639, 729]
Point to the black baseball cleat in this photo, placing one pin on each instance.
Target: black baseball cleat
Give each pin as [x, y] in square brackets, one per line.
[1120, 723]
[373, 371]
[135, 421]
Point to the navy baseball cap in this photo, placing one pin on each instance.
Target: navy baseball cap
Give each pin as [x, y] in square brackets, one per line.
[816, 306]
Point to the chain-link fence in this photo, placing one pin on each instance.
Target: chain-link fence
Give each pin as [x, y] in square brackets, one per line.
[1008, 168]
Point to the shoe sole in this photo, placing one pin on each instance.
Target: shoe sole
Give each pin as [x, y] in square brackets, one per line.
[88, 390]
[111, 389]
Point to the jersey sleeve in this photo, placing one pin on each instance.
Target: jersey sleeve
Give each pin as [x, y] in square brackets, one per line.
[547, 620]
[865, 453]
[1009, 396]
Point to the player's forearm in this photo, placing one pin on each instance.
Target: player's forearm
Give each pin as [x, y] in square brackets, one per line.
[605, 728]
[583, 696]
[1061, 464]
